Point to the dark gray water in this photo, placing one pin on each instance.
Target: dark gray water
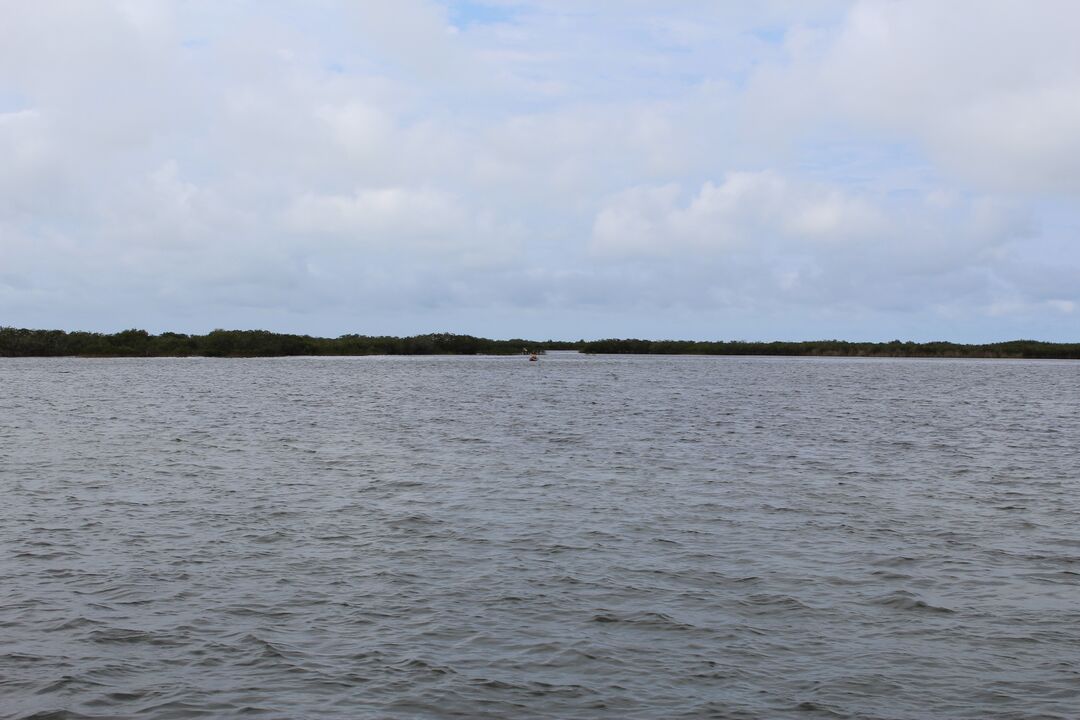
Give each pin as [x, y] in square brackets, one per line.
[583, 537]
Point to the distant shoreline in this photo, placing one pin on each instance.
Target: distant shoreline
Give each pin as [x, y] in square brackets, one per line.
[21, 342]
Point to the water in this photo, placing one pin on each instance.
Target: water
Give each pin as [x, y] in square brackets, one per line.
[583, 537]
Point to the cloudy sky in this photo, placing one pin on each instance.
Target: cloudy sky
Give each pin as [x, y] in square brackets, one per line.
[546, 168]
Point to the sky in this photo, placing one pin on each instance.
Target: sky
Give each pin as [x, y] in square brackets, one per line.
[785, 169]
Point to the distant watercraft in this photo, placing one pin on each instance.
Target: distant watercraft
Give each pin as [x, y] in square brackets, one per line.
[533, 358]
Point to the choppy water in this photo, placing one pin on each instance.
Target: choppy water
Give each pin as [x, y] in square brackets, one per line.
[583, 537]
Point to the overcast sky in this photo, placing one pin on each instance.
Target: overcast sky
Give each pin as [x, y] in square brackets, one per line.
[543, 168]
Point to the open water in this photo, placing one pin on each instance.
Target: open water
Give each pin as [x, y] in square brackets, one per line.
[582, 537]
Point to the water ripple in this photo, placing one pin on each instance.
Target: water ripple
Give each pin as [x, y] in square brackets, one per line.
[583, 537]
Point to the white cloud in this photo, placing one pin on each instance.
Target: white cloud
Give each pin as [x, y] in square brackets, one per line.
[990, 88]
[744, 210]
[757, 240]
[376, 213]
[424, 222]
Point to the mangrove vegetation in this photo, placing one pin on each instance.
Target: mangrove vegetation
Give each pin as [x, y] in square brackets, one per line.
[21, 342]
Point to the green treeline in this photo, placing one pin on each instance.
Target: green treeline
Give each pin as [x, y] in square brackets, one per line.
[16, 342]
[840, 348]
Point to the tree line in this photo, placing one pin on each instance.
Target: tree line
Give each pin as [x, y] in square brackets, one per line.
[1016, 349]
[21, 342]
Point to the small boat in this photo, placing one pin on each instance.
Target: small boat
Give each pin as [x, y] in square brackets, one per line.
[533, 358]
